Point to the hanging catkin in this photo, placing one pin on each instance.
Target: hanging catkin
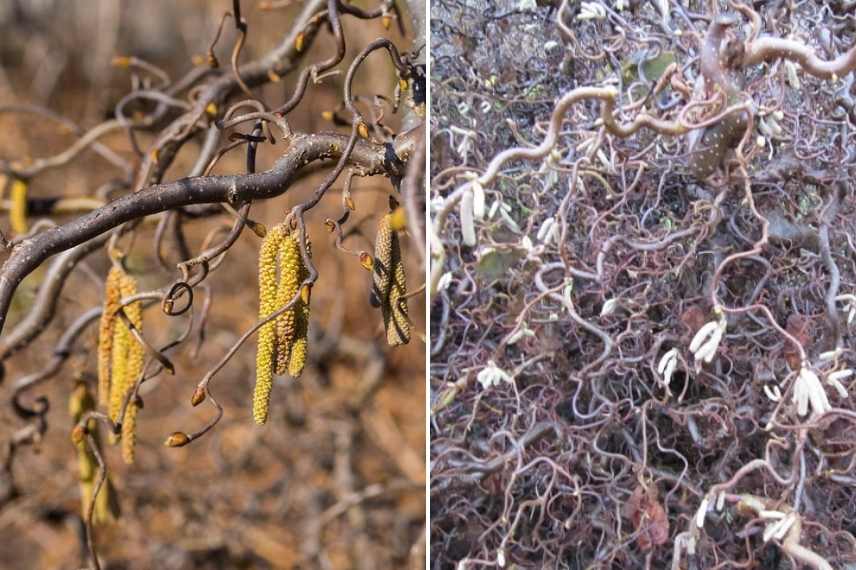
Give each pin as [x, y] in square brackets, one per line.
[106, 505]
[390, 283]
[112, 296]
[283, 342]
[289, 281]
[267, 332]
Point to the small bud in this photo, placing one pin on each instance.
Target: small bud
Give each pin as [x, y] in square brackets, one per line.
[367, 261]
[198, 396]
[306, 293]
[327, 115]
[403, 84]
[77, 434]
[350, 204]
[274, 76]
[386, 21]
[211, 110]
[257, 228]
[362, 130]
[121, 61]
[298, 42]
[177, 439]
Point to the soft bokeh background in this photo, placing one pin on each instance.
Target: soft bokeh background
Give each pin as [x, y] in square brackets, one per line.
[243, 496]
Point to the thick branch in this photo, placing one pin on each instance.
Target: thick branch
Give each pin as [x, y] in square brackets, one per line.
[235, 189]
[767, 48]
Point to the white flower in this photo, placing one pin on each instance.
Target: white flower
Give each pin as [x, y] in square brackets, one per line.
[778, 529]
[503, 213]
[702, 512]
[444, 281]
[591, 11]
[492, 375]
[706, 341]
[791, 72]
[545, 231]
[720, 501]
[835, 379]
[500, 559]
[608, 307]
[809, 390]
[468, 225]
[523, 331]
[850, 306]
[494, 208]
[772, 391]
[668, 364]
[829, 354]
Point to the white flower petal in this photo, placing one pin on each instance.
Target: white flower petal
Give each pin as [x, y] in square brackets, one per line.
[608, 307]
[702, 335]
[479, 199]
[840, 375]
[444, 281]
[468, 226]
[702, 512]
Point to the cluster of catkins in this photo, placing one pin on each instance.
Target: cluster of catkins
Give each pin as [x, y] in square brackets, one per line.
[283, 341]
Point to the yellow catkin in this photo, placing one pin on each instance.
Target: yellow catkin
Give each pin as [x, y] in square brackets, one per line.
[106, 505]
[18, 210]
[267, 332]
[127, 353]
[290, 263]
[390, 282]
[395, 309]
[382, 265]
[119, 363]
[133, 368]
[129, 433]
[300, 349]
[112, 296]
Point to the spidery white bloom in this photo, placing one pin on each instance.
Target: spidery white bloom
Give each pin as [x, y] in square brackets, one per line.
[609, 307]
[668, 364]
[523, 332]
[492, 375]
[444, 281]
[591, 11]
[780, 527]
[479, 199]
[468, 224]
[808, 391]
[706, 341]
[849, 307]
[834, 379]
[702, 512]
[772, 391]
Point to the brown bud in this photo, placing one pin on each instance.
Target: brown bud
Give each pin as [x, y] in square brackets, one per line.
[366, 260]
[77, 434]
[298, 42]
[362, 130]
[177, 439]
[306, 293]
[349, 202]
[198, 396]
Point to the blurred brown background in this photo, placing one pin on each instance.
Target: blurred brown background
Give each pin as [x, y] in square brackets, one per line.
[278, 496]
